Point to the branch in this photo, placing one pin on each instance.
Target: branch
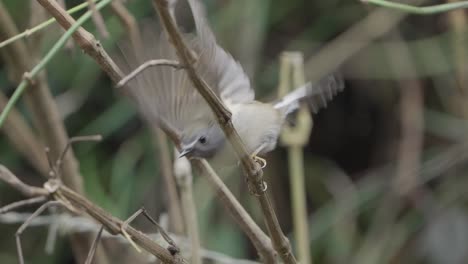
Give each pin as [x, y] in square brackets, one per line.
[41, 26]
[146, 65]
[77, 203]
[23, 139]
[425, 10]
[79, 224]
[259, 239]
[251, 168]
[184, 179]
[13, 181]
[98, 20]
[85, 40]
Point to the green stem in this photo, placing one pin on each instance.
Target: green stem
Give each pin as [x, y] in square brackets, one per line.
[424, 10]
[60, 43]
[296, 176]
[41, 26]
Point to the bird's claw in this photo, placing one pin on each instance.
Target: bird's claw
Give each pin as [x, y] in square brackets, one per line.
[261, 161]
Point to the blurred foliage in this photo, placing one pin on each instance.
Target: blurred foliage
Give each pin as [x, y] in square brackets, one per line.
[355, 214]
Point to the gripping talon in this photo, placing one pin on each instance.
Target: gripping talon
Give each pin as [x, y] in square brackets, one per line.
[261, 161]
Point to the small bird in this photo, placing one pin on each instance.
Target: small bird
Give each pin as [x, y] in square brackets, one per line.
[166, 95]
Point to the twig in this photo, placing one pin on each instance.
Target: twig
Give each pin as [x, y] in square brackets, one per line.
[13, 181]
[341, 48]
[128, 21]
[296, 138]
[23, 203]
[146, 65]
[251, 168]
[412, 121]
[426, 10]
[184, 178]
[29, 32]
[58, 193]
[20, 134]
[94, 245]
[259, 239]
[27, 78]
[79, 224]
[98, 20]
[173, 202]
[26, 224]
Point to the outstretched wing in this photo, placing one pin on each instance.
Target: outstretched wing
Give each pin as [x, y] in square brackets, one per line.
[166, 94]
[317, 95]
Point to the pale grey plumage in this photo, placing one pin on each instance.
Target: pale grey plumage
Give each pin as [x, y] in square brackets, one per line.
[166, 95]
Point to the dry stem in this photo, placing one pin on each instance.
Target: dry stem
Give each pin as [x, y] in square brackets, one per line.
[251, 168]
[57, 192]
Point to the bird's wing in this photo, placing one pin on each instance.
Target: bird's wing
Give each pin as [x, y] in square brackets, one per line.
[216, 65]
[317, 94]
[166, 94]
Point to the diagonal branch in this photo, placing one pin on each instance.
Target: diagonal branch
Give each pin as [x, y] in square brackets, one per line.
[57, 192]
[251, 168]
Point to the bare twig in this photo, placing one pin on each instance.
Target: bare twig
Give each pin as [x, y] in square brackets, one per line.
[251, 168]
[60, 194]
[40, 102]
[23, 139]
[13, 181]
[98, 20]
[412, 121]
[184, 177]
[173, 202]
[146, 65]
[90, 257]
[23, 203]
[337, 51]
[84, 39]
[128, 21]
[41, 26]
[26, 224]
[259, 239]
[79, 224]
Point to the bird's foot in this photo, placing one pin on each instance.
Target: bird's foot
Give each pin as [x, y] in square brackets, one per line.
[261, 161]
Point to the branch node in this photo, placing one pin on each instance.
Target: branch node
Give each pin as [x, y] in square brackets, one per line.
[29, 78]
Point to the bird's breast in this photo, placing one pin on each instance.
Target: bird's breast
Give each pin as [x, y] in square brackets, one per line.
[257, 124]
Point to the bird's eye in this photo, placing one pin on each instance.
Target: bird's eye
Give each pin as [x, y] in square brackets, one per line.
[202, 140]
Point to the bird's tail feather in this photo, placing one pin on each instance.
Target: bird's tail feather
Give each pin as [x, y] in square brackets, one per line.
[316, 95]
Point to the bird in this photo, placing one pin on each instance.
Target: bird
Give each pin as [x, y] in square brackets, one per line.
[166, 97]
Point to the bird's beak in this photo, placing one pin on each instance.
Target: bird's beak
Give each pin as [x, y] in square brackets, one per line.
[184, 152]
[187, 149]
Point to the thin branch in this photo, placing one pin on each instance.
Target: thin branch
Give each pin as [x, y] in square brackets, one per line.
[85, 39]
[41, 26]
[251, 168]
[79, 224]
[425, 10]
[75, 202]
[27, 78]
[21, 136]
[173, 202]
[98, 20]
[13, 181]
[128, 21]
[146, 65]
[26, 224]
[259, 239]
[94, 246]
[184, 177]
[22, 203]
